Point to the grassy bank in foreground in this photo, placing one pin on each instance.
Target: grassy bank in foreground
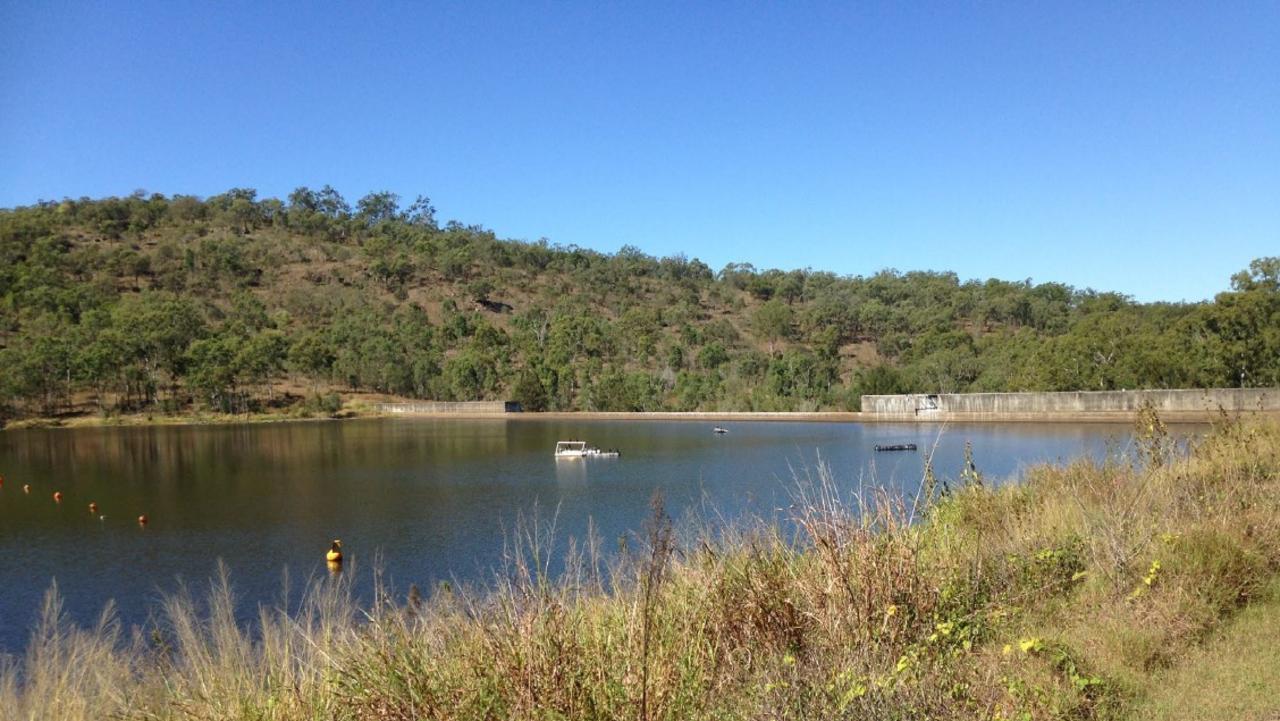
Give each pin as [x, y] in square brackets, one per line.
[1083, 593]
[1234, 676]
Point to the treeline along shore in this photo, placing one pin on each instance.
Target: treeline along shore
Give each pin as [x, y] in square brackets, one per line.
[1143, 586]
[154, 305]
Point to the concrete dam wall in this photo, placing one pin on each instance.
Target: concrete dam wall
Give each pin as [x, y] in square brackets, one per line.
[432, 408]
[1192, 404]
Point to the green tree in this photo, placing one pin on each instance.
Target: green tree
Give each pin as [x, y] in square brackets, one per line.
[311, 355]
[529, 392]
[772, 322]
[261, 357]
[215, 373]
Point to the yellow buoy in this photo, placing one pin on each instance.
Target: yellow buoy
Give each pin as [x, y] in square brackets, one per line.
[335, 552]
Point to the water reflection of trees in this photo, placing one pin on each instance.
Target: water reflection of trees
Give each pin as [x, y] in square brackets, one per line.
[195, 451]
[199, 474]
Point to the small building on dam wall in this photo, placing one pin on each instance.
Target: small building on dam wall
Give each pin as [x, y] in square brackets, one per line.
[1183, 404]
[460, 408]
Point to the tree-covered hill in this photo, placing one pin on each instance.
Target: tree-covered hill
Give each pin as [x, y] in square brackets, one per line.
[235, 302]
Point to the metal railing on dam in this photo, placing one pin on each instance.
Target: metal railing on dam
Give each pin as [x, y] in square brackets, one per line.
[1179, 404]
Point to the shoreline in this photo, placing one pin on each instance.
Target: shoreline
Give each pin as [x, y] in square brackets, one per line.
[142, 420]
[356, 413]
[1122, 417]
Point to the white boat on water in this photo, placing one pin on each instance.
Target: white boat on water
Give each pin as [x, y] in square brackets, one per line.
[571, 449]
[719, 431]
[580, 449]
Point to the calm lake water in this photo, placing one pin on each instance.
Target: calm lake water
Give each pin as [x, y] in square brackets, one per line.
[430, 499]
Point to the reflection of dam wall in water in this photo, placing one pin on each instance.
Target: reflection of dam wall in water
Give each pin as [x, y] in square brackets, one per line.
[430, 408]
[1190, 405]
[451, 407]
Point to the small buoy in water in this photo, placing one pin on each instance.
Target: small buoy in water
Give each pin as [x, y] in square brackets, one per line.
[26, 488]
[93, 507]
[335, 552]
[1, 480]
[57, 496]
[142, 520]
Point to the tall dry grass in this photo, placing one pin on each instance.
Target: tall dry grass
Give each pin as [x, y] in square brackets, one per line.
[1054, 598]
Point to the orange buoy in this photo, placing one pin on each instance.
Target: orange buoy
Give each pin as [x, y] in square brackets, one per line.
[93, 507]
[142, 520]
[57, 496]
[1, 480]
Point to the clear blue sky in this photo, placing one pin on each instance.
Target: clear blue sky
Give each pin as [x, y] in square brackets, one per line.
[1121, 146]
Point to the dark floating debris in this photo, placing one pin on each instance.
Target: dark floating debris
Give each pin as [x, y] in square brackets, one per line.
[897, 447]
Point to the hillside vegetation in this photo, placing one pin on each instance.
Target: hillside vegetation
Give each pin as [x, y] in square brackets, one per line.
[235, 303]
[1086, 592]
